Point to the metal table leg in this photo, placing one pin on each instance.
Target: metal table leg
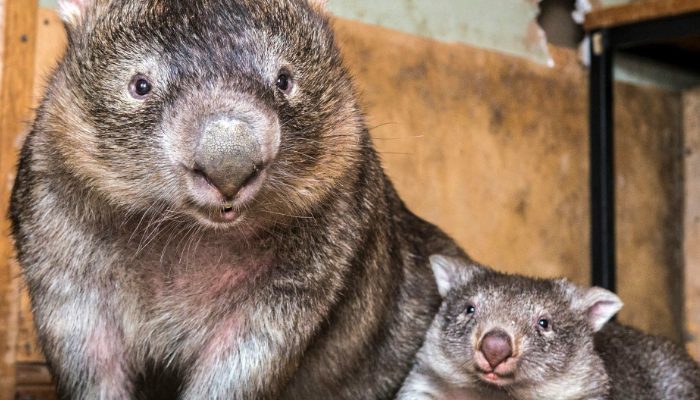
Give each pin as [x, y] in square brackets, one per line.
[602, 166]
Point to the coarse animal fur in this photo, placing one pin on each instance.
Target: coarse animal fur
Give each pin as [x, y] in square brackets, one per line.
[154, 277]
[554, 340]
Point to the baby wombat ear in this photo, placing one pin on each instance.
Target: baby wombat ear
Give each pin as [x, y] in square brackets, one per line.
[450, 272]
[599, 305]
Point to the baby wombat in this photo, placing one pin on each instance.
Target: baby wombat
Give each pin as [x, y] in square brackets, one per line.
[500, 336]
[199, 212]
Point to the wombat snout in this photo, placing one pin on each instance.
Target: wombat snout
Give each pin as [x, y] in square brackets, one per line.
[228, 156]
[496, 347]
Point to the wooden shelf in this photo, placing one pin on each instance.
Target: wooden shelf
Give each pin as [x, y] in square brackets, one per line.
[640, 11]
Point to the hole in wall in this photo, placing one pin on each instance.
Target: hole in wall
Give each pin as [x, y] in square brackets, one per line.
[556, 20]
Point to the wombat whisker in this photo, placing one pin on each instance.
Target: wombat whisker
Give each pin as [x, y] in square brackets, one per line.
[323, 152]
[281, 183]
[174, 232]
[338, 159]
[138, 225]
[199, 234]
[284, 124]
[277, 222]
[286, 215]
[320, 140]
[151, 225]
[398, 137]
[371, 128]
[243, 235]
[190, 234]
[303, 155]
[152, 231]
[396, 153]
[143, 244]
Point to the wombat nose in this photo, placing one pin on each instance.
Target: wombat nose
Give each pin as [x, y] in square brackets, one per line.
[496, 347]
[228, 155]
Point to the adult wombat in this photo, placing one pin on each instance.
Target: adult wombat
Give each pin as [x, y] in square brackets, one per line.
[199, 211]
[501, 336]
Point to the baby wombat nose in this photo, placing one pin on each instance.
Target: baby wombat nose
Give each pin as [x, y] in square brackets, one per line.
[496, 347]
[228, 155]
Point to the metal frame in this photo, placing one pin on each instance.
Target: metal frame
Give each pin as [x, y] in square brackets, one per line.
[604, 43]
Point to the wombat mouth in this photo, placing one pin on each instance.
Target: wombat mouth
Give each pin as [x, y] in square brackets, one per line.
[496, 379]
[221, 219]
[218, 217]
[215, 208]
[227, 213]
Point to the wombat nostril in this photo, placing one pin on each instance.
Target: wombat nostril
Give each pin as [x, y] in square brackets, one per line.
[256, 172]
[228, 182]
[199, 171]
[496, 347]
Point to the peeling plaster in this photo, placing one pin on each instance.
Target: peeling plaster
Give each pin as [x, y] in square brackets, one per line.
[536, 41]
[509, 26]
[583, 7]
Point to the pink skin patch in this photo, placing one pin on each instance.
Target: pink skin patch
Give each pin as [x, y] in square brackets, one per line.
[207, 285]
[221, 340]
[229, 279]
[226, 280]
[230, 331]
[104, 352]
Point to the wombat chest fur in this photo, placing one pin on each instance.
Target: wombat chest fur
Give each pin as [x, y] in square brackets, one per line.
[199, 212]
[499, 336]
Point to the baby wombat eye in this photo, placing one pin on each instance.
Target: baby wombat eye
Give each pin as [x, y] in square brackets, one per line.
[544, 324]
[284, 81]
[471, 309]
[140, 87]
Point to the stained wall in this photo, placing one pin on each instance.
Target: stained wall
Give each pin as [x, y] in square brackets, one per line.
[494, 149]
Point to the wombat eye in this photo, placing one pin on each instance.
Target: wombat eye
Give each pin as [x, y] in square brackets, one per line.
[284, 82]
[544, 324]
[140, 87]
[471, 310]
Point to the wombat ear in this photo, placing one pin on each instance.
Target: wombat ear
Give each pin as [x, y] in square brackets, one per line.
[450, 272]
[73, 11]
[600, 305]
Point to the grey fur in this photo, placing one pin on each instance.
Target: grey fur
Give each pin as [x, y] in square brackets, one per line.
[321, 287]
[579, 357]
